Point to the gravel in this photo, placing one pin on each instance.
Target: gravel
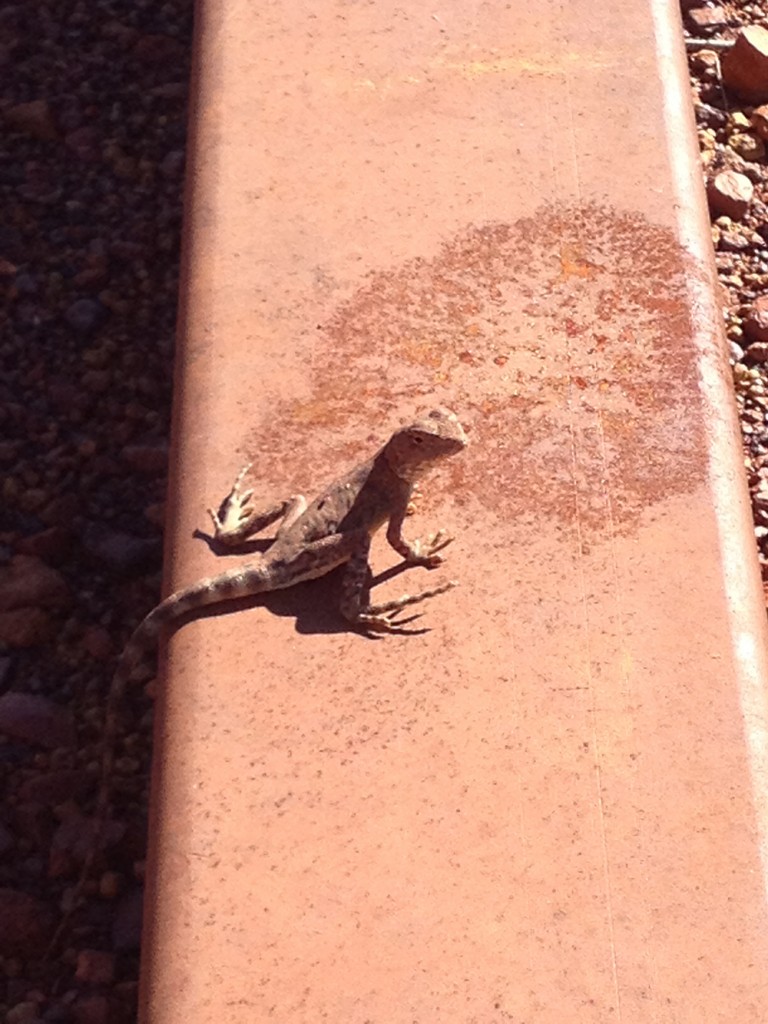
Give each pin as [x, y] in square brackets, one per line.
[732, 134]
[93, 128]
[93, 132]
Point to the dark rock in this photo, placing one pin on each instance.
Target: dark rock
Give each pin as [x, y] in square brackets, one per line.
[27, 582]
[172, 164]
[51, 545]
[75, 837]
[27, 284]
[759, 121]
[24, 1012]
[97, 381]
[26, 924]
[95, 967]
[61, 511]
[26, 627]
[711, 116]
[745, 65]
[93, 277]
[126, 251]
[120, 551]
[92, 1009]
[36, 720]
[63, 395]
[33, 823]
[125, 35]
[85, 315]
[53, 788]
[756, 321]
[98, 643]
[84, 143]
[33, 119]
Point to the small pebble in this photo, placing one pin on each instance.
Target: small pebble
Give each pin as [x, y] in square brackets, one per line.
[95, 967]
[92, 1009]
[117, 550]
[33, 118]
[36, 720]
[23, 1013]
[747, 146]
[729, 194]
[703, 19]
[756, 321]
[85, 315]
[26, 924]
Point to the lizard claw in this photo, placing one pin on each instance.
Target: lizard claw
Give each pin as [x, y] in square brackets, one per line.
[234, 512]
[425, 552]
[377, 624]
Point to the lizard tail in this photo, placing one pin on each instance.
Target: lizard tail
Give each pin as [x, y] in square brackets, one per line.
[241, 582]
[227, 586]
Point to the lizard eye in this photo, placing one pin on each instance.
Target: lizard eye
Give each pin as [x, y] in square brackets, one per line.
[416, 439]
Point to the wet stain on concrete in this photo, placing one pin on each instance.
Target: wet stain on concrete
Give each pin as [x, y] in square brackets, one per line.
[563, 340]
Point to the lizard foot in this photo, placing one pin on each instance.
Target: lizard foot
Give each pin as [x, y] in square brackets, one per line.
[380, 618]
[425, 552]
[234, 516]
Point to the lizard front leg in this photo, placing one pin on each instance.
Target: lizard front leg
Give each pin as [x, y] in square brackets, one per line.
[375, 618]
[417, 552]
[236, 520]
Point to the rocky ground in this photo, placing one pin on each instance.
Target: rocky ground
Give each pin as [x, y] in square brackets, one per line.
[92, 111]
[732, 118]
[93, 124]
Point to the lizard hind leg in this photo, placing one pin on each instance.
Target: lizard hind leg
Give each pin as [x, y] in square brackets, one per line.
[236, 519]
[380, 618]
[376, 618]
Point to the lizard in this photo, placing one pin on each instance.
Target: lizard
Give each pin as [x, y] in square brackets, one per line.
[312, 540]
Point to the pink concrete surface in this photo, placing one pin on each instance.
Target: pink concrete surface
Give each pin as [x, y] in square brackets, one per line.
[552, 806]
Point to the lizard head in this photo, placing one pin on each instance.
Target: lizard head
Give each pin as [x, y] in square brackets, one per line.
[412, 450]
